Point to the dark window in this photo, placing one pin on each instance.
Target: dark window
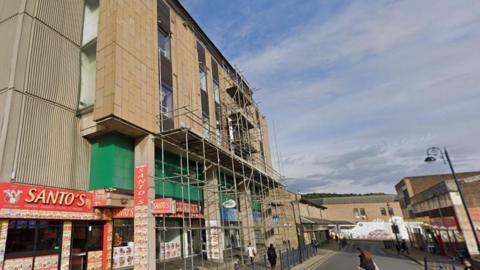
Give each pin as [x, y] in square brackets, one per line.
[383, 211]
[390, 211]
[362, 212]
[33, 237]
[122, 232]
[49, 235]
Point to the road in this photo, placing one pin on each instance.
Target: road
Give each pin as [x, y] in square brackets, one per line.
[347, 259]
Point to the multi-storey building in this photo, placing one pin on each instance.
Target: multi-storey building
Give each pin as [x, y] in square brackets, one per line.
[435, 201]
[126, 140]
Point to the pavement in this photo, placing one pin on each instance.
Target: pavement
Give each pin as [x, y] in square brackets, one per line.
[418, 256]
[347, 258]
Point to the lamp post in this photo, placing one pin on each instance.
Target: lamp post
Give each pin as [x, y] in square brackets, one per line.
[432, 154]
[394, 225]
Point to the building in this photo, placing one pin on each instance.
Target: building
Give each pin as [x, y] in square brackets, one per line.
[312, 224]
[126, 140]
[354, 209]
[436, 202]
[409, 186]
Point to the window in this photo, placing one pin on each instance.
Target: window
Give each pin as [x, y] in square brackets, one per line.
[383, 212]
[88, 58]
[164, 44]
[122, 232]
[166, 106]
[362, 212]
[390, 211]
[355, 212]
[203, 79]
[29, 237]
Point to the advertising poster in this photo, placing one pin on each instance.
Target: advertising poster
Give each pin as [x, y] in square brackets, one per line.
[49, 262]
[66, 240]
[20, 263]
[94, 260]
[123, 256]
[140, 198]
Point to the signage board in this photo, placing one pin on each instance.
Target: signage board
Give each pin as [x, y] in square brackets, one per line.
[229, 214]
[126, 212]
[229, 203]
[140, 188]
[163, 206]
[27, 197]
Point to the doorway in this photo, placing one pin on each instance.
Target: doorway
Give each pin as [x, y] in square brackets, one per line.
[87, 245]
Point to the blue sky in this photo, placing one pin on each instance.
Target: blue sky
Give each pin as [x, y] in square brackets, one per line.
[357, 90]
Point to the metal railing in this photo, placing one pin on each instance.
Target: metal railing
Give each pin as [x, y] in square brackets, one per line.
[443, 264]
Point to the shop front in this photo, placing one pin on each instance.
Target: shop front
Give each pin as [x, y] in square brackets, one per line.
[50, 228]
[448, 236]
[179, 229]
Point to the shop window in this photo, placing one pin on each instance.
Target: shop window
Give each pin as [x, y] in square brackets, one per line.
[28, 238]
[123, 245]
[49, 235]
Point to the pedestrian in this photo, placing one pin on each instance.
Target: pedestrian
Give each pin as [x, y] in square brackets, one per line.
[404, 247]
[252, 252]
[272, 256]
[344, 242]
[366, 260]
[236, 267]
[315, 245]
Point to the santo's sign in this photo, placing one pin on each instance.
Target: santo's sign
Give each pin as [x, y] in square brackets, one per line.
[140, 188]
[18, 196]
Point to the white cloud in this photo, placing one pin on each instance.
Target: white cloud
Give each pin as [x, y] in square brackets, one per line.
[378, 81]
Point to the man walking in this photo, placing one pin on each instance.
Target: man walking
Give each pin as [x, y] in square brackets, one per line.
[272, 256]
[252, 252]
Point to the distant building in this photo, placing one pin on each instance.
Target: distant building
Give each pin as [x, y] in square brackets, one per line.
[360, 208]
[435, 201]
[411, 185]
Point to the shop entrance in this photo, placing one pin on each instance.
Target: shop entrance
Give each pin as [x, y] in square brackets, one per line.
[87, 245]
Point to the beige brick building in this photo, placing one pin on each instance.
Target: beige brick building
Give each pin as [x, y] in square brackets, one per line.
[360, 208]
[127, 135]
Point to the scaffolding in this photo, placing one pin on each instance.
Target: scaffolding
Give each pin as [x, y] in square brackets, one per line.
[219, 166]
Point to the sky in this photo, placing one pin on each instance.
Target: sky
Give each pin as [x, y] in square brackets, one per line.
[356, 91]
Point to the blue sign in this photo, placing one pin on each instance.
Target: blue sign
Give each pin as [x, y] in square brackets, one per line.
[276, 219]
[229, 214]
[257, 217]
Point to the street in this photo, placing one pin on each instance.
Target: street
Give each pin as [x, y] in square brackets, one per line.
[386, 260]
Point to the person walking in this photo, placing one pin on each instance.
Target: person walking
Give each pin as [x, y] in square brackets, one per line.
[272, 256]
[366, 260]
[315, 245]
[252, 252]
[404, 247]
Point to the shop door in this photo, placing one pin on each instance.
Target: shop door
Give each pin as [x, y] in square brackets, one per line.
[87, 245]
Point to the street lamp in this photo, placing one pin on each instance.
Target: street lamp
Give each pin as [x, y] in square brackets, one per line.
[433, 153]
[394, 225]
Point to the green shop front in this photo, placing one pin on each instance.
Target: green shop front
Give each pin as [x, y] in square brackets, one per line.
[177, 208]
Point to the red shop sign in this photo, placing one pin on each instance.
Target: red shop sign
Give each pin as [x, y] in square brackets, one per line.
[140, 192]
[26, 197]
[445, 222]
[126, 212]
[163, 206]
[185, 207]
